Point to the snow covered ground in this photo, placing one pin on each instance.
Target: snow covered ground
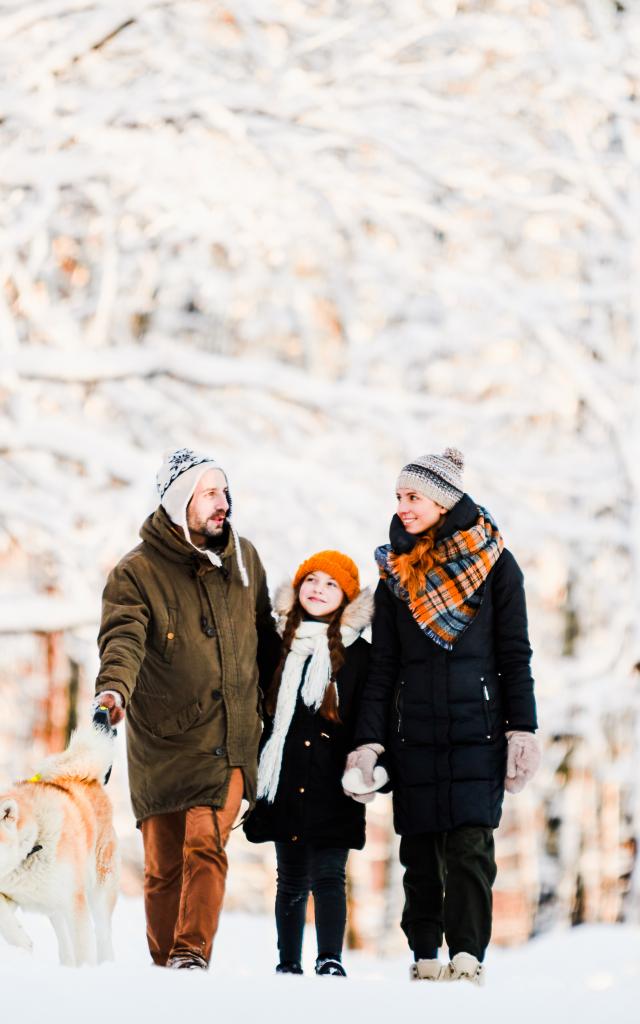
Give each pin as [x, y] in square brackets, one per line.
[586, 974]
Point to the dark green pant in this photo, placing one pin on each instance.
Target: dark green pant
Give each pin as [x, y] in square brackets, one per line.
[447, 887]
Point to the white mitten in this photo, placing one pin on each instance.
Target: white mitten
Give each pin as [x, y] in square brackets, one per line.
[363, 776]
[353, 781]
[361, 798]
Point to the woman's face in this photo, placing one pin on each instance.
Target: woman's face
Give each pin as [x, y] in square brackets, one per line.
[319, 594]
[417, 512]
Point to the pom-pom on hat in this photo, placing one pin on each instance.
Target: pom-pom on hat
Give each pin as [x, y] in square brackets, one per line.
[439, 477]
[340, 567]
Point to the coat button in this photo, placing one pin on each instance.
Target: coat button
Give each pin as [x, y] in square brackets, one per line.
[216, 694]
[170, 636]
[210, 631]
[219, 751]
[301, 790]
[307, 743]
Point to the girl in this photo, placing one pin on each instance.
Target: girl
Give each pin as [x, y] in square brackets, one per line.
[449, 692]
[309, 723]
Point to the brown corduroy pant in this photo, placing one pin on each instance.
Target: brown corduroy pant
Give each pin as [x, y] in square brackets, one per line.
[185, 868]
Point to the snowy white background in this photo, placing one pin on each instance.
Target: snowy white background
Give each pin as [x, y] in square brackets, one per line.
[317, 239]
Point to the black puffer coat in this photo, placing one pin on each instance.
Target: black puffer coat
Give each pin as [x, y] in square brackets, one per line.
[310, 804]
[442, 715]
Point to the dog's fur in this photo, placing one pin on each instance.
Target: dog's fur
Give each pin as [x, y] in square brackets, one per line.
[74, 876]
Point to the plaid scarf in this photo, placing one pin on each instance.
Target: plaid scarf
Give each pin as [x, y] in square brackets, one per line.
[453, 589]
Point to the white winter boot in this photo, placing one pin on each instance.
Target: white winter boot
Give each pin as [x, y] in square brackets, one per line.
[427, 970]
[465, 966]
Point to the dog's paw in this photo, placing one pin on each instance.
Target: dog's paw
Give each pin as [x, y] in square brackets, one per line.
[20, 939]
[10, 928]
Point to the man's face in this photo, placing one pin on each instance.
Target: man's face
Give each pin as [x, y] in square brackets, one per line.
[207, 510]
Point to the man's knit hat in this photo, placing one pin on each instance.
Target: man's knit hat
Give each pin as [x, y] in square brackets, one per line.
[177, 479]
[439, 477]
[340, 567]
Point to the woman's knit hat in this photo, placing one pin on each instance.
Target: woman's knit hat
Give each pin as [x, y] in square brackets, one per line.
[439, 477]
[340, 567]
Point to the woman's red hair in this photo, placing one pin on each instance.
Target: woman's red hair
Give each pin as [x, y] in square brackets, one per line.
[414, 566]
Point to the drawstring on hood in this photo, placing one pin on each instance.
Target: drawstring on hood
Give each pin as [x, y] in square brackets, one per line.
[178, 476]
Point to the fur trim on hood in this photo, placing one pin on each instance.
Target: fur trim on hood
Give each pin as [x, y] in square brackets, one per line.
[358, 613]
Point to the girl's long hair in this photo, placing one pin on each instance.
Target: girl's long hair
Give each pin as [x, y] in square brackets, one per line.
[329, 707]
[414, 566]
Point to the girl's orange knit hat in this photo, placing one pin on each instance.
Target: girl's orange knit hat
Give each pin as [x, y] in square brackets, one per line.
[342, 568]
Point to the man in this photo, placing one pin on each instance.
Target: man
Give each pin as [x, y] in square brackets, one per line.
[186, 635]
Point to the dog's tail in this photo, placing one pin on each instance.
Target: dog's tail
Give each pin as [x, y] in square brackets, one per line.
[88, 757]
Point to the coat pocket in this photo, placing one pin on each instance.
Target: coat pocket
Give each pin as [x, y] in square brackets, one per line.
[178, 722]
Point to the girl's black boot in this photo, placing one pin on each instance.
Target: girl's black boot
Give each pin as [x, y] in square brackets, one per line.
[288, 967]
[330, 965]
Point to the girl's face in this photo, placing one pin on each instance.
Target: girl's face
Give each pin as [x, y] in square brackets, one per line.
[319, 594]
[417, 512]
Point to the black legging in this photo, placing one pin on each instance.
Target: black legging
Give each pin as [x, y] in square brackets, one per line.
[303, 867]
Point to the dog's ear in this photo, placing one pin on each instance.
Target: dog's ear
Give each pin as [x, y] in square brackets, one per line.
[8, 811]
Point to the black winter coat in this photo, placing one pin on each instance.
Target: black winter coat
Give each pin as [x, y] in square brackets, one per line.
[442, 715]
[310, 804]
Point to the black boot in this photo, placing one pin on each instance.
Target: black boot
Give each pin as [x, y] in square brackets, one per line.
[330, 965]
[288, 967]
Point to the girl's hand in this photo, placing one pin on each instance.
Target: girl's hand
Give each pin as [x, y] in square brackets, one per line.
[362, 798]
[362, 775]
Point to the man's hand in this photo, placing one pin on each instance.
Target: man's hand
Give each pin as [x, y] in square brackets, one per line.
[113, 702]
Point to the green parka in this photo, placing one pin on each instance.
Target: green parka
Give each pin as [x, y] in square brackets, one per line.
[182, 641]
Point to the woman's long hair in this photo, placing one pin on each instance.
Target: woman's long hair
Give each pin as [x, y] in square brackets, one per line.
[414, 566]
[329, 707]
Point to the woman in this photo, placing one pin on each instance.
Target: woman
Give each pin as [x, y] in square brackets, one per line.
[449, 691]
[309, 726]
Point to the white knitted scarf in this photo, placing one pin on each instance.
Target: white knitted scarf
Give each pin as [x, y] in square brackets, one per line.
[310, 640]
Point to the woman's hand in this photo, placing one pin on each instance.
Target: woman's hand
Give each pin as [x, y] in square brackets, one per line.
[523, 760]
[361, 777]
[365, 759]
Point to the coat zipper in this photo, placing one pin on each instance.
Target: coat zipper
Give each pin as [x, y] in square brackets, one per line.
[485, 708]
[399, 712]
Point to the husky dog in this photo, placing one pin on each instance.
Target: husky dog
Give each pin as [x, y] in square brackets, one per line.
[58, 851]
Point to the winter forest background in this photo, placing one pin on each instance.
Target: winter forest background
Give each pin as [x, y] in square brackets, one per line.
[316, 238]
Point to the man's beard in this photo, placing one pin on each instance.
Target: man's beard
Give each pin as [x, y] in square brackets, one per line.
[215, 541]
